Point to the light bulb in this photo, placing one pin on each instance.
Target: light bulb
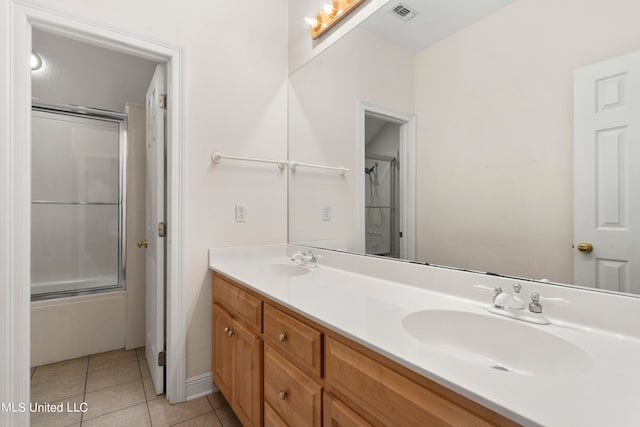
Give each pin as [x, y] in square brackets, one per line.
[328, 8]
[312, 22]
[36, 61]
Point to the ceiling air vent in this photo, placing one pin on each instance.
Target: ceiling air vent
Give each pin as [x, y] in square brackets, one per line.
[403, 12]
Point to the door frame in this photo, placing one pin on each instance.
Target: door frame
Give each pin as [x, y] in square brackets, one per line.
[17, 18]
[407, 159]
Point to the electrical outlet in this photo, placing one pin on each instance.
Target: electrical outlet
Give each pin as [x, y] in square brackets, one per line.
[326, 213]
[241, 213]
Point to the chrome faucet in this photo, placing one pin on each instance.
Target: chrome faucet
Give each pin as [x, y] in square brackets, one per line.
[308, 259]
[512, 306]
[504, 300]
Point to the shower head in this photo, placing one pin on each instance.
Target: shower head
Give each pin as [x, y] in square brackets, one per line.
[370, 170]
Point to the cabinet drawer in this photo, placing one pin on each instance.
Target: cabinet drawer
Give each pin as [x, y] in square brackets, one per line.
[300, 343]
[388, 396]
[337, 414]
[271, 419]
[240, 303]
[294, 396]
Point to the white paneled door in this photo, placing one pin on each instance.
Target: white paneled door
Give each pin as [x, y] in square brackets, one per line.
[607, 174]
[154, 230]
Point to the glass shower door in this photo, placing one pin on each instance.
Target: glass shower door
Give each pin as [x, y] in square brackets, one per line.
[380, 205]
[77, 211]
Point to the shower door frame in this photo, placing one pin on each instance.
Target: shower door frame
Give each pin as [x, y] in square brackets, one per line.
[17, 18]
[394, 247]
[113, 117]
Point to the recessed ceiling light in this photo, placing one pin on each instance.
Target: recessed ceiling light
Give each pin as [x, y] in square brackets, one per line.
[36, 61]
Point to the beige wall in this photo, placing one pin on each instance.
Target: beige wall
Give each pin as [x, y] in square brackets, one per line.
[323, 119]
[495, 133]
[235, 76]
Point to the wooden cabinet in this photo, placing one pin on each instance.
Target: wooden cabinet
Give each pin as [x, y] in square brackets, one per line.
[238, 350]
[393, 398]
[295, 397]
[237, 301]
[337, 414]
[300, 343]
[271, 419]
[223, 350]
[306, 375]
[247, 394]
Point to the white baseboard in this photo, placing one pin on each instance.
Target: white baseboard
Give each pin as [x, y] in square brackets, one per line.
[200, 385]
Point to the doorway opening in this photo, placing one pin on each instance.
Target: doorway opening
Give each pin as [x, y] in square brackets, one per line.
[98, 193]
[382, 213]
[386, 196]
[16, 188]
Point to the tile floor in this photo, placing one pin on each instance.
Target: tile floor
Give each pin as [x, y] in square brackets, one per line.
[118, 391]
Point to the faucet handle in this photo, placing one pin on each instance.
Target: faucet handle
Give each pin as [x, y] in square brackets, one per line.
[497, 290]
[535, 306]
[517, 287]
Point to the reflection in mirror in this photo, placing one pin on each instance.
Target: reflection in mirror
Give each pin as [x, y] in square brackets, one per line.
[505, 179]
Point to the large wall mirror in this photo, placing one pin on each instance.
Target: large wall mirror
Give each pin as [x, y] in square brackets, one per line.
[498, 135]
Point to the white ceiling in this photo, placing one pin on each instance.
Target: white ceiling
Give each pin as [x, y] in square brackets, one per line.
[436, 20]
[89, 76]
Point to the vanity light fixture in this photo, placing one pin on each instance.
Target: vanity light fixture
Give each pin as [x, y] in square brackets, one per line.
[36, 61]
[330, 15]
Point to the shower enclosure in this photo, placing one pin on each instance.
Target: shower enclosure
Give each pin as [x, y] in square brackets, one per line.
[381, 219]
[78, 201]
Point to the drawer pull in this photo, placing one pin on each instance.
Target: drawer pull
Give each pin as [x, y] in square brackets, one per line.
[282, 337]
[229, 333]
[283, 395]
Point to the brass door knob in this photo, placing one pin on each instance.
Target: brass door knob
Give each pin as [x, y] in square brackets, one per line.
[142, 243]
[585, 247]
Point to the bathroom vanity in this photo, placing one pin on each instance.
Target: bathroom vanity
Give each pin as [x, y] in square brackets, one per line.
[409, 345]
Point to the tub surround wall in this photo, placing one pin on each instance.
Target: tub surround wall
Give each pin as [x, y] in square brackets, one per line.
[67, 328]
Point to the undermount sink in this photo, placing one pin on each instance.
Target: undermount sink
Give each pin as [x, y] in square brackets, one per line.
[287, 270]
[494, 342]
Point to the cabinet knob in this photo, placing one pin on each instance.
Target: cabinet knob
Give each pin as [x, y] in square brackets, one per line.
[282, 337]
[229, 332]
[283, 395]
[226, 330]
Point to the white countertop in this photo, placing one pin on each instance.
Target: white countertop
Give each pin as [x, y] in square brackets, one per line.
[370, 310]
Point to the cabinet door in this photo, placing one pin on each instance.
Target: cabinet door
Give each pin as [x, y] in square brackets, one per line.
[337, 414]
[247, 394]
[223, 351]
